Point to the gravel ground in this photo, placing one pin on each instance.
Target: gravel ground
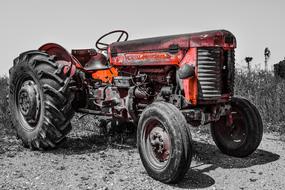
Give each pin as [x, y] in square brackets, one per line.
[87, 161]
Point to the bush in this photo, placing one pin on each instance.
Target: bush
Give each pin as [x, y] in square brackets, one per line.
[267, 93]
[5, 124]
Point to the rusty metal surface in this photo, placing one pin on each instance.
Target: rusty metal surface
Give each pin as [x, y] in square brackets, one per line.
[70, 63]
[147, 58]
[156, 57]
[190, 85]
[215, 38]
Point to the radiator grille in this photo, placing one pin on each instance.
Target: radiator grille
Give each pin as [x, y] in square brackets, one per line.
[209, 73]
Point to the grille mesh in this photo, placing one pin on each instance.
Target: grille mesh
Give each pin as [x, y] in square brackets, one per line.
[209, 73]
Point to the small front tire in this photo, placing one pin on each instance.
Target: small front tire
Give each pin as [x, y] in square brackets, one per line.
[164, 142]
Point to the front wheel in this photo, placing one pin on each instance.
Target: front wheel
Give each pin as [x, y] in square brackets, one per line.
[243, 136]
[164, 142]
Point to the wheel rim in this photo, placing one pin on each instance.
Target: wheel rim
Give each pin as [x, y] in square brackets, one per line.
[235, 135]
[28, 103]
[157, 144]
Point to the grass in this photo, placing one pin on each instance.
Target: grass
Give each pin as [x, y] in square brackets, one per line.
[261, 88]
[5, 124]
[267, 93]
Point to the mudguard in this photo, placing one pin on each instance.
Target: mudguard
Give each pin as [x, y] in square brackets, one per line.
[63, 56]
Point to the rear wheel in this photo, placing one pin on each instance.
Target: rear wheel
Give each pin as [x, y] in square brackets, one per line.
[244, 135]
[164, 142]
[40, 100]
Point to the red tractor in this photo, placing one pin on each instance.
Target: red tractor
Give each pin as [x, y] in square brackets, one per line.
[163, 85]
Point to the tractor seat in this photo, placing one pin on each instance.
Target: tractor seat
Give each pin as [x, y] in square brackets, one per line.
[97, 62]
[90, 59]
[83, 55]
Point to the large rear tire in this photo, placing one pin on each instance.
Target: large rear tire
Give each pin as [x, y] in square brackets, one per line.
[244, 136]
[40, 100]
[164, 142]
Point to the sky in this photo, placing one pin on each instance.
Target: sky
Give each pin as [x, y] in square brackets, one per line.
[26, 25]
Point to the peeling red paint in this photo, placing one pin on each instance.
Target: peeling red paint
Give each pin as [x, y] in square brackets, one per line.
[147, 58]
[172, 51]
[216, 38]
[191, 85]
[60, 52]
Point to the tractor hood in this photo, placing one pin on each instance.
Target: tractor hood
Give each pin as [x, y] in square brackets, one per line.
[214, 38]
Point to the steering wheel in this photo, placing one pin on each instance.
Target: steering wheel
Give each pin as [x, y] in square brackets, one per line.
[104, 46]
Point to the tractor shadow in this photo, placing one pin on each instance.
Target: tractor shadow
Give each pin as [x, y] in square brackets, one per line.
[210, 154]
[88, 136]
[81, 145]
[209, 158]
[92, 142]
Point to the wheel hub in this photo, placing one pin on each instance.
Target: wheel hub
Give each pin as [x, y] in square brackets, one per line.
[160, 142]
[29, 101]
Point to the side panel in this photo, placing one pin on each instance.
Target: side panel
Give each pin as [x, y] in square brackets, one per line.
[147, 58]
[190, 85]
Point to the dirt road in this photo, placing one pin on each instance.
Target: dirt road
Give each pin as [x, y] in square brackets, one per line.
[86, 161]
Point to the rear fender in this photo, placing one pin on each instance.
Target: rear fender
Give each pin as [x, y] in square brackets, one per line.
[63, 57]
